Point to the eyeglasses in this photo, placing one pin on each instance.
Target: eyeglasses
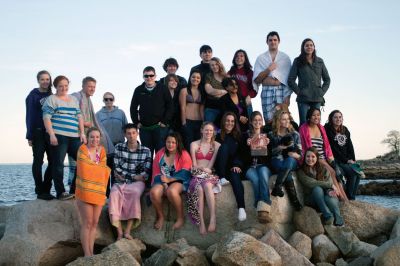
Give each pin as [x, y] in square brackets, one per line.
[108, 99]
[148, 76]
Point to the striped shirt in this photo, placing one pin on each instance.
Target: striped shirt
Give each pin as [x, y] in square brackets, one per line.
[129, 163]
[63, 115]
[318, 143]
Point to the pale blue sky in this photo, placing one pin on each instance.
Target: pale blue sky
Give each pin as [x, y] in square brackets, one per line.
[114, 41]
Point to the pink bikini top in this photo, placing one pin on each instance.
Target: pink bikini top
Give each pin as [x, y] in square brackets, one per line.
[201, 156]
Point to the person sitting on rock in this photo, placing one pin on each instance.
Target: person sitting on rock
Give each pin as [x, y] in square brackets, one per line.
[319, 189]
[171, 175]
[286, 151]
[258, 173]
[132, 162]
[229, 164]
[343, 151]
[204, 182]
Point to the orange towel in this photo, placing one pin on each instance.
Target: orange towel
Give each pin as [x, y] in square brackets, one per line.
[91, 178]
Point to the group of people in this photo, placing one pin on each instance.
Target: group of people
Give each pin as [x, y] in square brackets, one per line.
[195, 137]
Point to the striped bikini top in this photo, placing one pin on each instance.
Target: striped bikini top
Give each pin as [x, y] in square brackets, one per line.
[318, 143]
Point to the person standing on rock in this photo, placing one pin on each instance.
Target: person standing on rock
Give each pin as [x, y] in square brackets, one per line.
[37, 137]
[204, 182]
[319, 189]
[271, 70]
[91, 186]
[171, 175]
[343, 151]
[285, 153]
[132, 162]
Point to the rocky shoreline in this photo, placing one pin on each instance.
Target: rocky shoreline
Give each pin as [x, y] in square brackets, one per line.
[382, 167]
[47, 233]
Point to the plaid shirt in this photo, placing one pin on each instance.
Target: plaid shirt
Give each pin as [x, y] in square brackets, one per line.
[131, 163]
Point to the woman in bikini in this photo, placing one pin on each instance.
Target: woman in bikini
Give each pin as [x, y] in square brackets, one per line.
[192, 109]
[204, 182]
[171, 175]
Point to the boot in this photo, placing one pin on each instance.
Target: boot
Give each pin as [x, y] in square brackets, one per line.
[277, 190]
[291, 190]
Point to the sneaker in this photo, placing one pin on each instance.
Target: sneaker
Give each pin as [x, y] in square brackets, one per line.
[242, 215]
[223, 181]
[328, 221]
[45, 196]
[65, 196]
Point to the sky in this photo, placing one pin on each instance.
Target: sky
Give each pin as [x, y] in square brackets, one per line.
[114, 41]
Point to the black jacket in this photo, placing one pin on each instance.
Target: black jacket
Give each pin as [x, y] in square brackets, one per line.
[341, 144]
[151, 107]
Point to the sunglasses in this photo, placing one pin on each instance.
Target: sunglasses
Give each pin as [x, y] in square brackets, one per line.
[149, 76]
[108, 99]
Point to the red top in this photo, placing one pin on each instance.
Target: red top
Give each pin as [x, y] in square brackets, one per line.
[245, 81]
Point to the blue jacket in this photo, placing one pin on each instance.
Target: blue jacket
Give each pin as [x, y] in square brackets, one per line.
[34, 117]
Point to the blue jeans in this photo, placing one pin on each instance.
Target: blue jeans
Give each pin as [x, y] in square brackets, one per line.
[65, 145]
[329, 206]
[40, 146]
[259, 177]
[278, 166]
[154, 139]
[352, 180]
[191, 132]
[211, 115]
[303, 108]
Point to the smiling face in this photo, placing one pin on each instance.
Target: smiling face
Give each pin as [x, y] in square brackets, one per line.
[172, 83]
[257, 122]
[229, 123]
[171, 69]
[108, 100]
[284, 122]
[337, 119]
[309, 47]
[214, 66]
[149, 78]
[240, 59]
[233, 89]
[94, 139]
[195, 78]
[273, 43]
[206, 56]
[310, 158]
[315, 118]
[62, 88]
[207, 132]
[170, 144]
[131, 134]
[89, 88]
[44, 81]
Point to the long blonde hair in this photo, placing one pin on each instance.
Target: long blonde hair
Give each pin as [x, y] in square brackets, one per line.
[222, 70]
[276, 121]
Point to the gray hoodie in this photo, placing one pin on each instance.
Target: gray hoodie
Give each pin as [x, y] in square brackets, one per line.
[113, 122]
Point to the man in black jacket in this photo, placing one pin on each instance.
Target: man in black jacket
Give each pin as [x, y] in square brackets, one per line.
[151, 110]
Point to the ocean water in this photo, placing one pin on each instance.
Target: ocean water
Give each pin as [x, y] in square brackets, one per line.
[16, 185]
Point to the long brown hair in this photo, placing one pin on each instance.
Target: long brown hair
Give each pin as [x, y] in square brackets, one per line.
[235, 131]
[317, 167]
[179, 143]
[330, 121]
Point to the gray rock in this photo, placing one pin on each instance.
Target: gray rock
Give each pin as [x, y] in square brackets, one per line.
[134, 247]
[162, 257]
[324, 264]
[341, 262]
[395, 230]
[343, 237]
[282, 213]
[324, 250]
[110, 257]
[308, 222]
[210, 251]
[191, 256]
[377, 240]
[368, 220]
[362, 261]
[237, 248]
[360, 249]
[302, 243]
[290, 256]
[388, 253]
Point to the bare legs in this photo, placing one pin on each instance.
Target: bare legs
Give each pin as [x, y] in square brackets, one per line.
[173, 193]
[89, 214]
[207, 192]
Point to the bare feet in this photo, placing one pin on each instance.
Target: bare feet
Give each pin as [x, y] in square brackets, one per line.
[159, 223]
[178, 224]
[119, 231]
[128, 236]
[212, 226]
[202, 228]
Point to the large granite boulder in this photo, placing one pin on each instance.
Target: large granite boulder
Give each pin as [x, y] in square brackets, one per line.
[308, 221]
[4, 210]
[368, 220]
[111, 257]
[324, 250]
[46, 233]
[388, 253]
[302, 243]
[290, 256]
[396, 230]
[237, 248]
[134, 247]
[282, 213]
